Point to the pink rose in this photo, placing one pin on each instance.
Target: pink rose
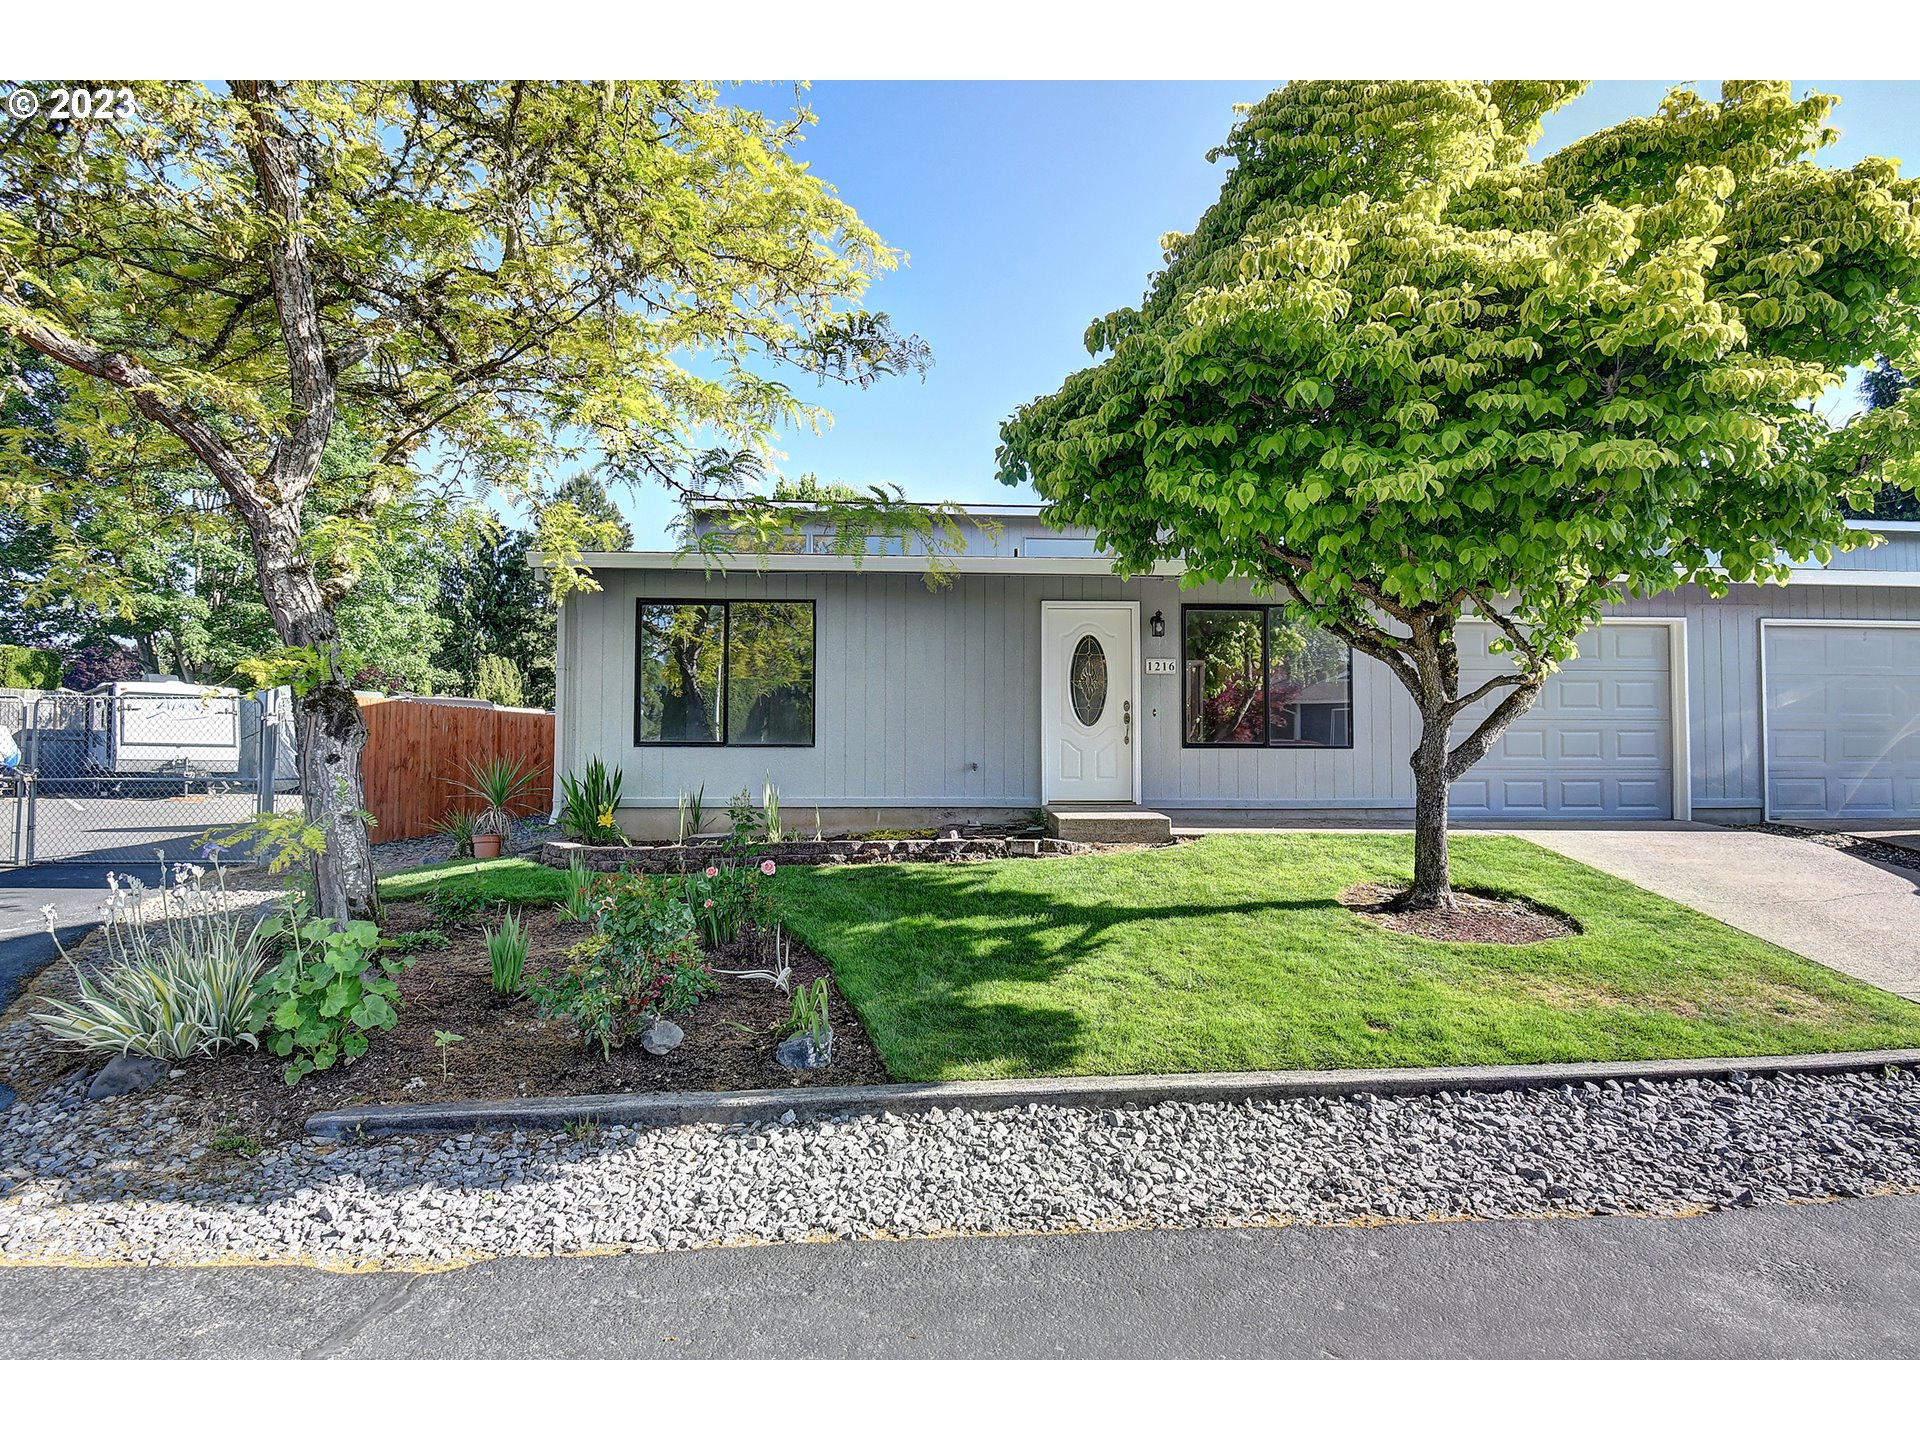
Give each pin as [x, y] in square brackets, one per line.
[766, 867]
[712, 871]
[709, 904]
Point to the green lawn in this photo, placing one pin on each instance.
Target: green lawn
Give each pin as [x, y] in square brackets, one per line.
[518, 882]
[1233, 954]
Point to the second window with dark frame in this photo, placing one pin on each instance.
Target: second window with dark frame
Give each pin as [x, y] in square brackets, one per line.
[725, 672]
[1255, 677]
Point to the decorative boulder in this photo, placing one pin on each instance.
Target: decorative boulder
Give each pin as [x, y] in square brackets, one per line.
[798, 1052]
[126, 1075]
[661, 1036]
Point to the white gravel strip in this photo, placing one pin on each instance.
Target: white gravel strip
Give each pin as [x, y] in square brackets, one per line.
[99, 1183]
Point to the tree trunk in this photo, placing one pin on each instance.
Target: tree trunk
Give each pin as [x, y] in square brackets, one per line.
[1432, 883]
[332, 731]
[333, 734]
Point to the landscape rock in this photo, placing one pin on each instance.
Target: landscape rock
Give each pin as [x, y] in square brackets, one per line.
[134, 1182]
[661, 1036]
[798, 1052]
[126, 1075]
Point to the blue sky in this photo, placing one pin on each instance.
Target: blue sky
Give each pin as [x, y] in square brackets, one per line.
[1028, 209]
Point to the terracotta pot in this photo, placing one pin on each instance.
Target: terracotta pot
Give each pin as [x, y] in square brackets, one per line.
[487, 847]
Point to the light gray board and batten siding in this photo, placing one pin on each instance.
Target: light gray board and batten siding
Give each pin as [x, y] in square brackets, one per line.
[1898, 551]
[929, 698]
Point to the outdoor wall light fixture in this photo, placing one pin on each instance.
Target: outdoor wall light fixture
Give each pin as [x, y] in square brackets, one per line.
[1158, 624]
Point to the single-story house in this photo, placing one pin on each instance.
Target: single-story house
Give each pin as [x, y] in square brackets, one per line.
[1037, 678]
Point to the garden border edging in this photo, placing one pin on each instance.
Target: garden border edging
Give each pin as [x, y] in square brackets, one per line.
[666, 859]
[741, 1106]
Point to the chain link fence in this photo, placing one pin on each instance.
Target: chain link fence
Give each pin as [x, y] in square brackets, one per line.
[118, 776]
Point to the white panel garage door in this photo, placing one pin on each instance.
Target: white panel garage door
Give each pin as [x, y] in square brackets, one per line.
[1843, 721]
[1597, 744]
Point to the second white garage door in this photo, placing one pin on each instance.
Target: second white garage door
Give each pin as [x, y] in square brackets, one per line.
[1843, 721]
[1597, 744]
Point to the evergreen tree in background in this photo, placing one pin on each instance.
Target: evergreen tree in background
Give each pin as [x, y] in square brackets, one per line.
[1881, 389]
[584, 491]
[492, 605]
[498, 680]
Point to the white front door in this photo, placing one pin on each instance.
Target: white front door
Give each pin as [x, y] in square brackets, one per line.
[1089, 700]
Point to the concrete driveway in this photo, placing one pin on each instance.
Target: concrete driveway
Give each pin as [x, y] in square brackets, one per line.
[1857, 916]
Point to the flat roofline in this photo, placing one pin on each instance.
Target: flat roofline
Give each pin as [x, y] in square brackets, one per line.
[995, 507]
[803, 564]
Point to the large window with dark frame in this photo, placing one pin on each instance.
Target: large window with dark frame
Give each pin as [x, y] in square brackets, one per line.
[725, 672]
[1254, 675]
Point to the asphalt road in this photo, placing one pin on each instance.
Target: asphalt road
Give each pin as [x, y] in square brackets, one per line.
[75, 889]
[1837, 1280]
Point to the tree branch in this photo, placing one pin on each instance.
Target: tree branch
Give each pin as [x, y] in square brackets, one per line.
[296, 459]
[1472, 750]
[143, 387]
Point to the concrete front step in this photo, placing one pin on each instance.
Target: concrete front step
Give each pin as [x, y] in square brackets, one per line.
[1108, 824]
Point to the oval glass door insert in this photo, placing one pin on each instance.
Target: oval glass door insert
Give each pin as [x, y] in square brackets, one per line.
[1087, 680]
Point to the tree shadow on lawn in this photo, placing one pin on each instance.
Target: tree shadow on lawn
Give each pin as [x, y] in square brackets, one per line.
[914, 948]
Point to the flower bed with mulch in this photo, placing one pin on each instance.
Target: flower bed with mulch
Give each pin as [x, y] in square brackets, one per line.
[1473, 920]
[695, 854]
[505, 1049]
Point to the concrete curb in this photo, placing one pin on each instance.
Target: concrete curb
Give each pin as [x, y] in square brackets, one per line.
[739, 1106]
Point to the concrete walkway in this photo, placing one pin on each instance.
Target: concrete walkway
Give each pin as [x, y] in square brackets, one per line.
[1857, 916]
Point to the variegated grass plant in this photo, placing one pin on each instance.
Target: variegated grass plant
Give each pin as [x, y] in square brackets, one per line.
[172, 987]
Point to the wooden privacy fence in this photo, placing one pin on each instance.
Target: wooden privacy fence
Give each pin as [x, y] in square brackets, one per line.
[419, 752]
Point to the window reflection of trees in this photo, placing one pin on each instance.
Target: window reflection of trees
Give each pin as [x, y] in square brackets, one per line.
[741, 671]
[1254, 675]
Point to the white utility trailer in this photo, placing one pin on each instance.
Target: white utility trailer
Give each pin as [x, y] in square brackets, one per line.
[162, 726]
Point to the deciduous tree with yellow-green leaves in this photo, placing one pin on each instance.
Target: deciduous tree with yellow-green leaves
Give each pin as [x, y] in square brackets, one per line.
[492, 278]
[1402, 375]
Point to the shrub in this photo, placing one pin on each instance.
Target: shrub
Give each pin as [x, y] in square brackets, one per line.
[507, 953]
[588, 803]
[408, 941]
[25, 668]
[180, 987]
[97, 664]
[333, 986]
[455, 905]
[376, 677]
[645, 960]
[726, 899]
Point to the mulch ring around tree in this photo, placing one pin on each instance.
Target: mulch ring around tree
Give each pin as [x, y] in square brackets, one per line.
[506, 1049]
[1474, 920]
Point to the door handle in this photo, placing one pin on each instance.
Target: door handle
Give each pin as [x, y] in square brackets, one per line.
[1126, 721]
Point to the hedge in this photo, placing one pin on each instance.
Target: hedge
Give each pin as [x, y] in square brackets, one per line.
[24, 668]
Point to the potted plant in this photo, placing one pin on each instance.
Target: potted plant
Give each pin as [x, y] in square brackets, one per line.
[498, 782]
